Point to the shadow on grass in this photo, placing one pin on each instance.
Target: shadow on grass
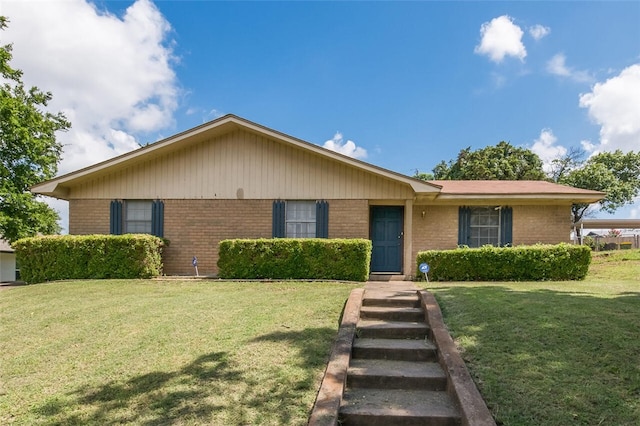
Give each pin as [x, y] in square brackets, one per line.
[149, 399]
[549, 357]
[286, 389]
[213, 389]
[311, 344]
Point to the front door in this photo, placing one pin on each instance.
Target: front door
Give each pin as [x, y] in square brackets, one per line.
[387, 238]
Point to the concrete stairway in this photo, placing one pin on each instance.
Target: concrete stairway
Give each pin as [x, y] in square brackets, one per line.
[394, 363]
[393, 377]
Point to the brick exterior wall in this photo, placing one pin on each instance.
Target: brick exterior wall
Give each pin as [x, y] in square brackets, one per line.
[541, 224]
[89, 217]
[438, 230]
[349, 219]
[195, 227]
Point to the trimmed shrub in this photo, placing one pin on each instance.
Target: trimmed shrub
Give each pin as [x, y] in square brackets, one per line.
[522, 263]
[62, 257]
[295, 258]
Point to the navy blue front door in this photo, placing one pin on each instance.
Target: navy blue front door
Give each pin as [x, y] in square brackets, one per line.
[386, 236]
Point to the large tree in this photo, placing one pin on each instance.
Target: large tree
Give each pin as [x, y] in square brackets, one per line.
[615, 173]
[500, 162]
[29, 152]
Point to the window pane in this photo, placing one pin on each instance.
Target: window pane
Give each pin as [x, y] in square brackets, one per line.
[138, 217]
[300, 219]
[485, 224]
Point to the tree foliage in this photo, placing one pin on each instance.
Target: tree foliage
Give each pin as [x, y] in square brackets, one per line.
[500, 162]
[615, 173]
[29, 152]
[422, 175]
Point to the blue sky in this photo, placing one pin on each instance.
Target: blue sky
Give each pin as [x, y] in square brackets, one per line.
[402, 85]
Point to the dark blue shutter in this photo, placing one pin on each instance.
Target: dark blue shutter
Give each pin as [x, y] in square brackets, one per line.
[157, 218]
[278, 219]
[322, 219]
[464, 226]
[506, 226]
[115, 218]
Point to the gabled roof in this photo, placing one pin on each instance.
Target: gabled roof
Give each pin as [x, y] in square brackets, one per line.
[425, 191]
[497, 189]
[58, 186]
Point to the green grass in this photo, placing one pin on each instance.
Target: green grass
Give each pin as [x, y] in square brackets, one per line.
[205, 352]
[553, 353]
[164, 352]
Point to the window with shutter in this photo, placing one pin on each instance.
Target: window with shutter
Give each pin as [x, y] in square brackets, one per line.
[300, 219]
[137, 217]
[479, 226]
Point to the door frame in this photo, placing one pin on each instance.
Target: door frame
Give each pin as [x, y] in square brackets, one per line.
[401, 251]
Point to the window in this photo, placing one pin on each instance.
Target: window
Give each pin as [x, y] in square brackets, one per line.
[300, 219]
[479, 226]
[137, 217]
[485, 226]
[138, 214]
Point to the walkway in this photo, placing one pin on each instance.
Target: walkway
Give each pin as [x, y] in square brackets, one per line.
[394, 363]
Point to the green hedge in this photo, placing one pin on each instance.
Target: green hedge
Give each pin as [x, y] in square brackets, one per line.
[62, 257]
[522, 263]
[295, 258]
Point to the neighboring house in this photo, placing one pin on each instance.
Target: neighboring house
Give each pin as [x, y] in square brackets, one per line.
[7, 262]
[231, 178]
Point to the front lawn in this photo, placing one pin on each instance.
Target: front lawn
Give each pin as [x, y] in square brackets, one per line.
[204, 352]
[164, 352]
[553, 353]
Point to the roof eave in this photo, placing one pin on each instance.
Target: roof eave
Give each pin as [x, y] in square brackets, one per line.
[51, 188]
[572, 198]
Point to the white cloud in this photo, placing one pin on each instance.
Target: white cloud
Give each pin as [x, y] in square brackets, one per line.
[557, 66]
[108, 74]
[111, 75]
[545, 147]
[614, 106]
[347, 148]
[539, 31]
[500, 38]
[587, 145]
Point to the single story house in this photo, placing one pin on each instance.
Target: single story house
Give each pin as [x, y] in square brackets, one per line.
[7, 262]
[232, 178]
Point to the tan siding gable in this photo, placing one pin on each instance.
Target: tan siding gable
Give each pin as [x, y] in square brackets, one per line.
[241, 165]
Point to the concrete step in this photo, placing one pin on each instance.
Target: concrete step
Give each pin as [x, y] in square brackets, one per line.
[379, 329]
[385, 278]
[393, 349]
[399, 299]
[389, 374]
[373, 407]
[391, 313]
